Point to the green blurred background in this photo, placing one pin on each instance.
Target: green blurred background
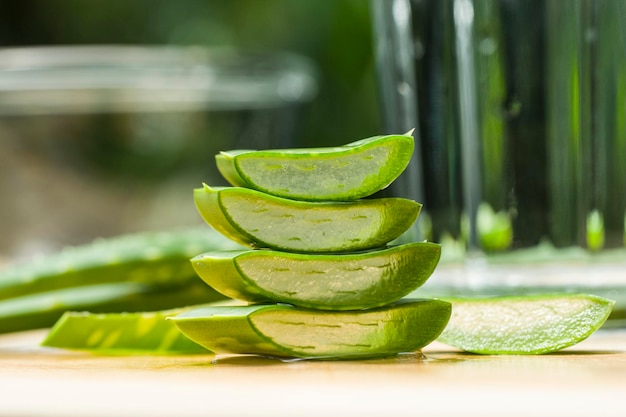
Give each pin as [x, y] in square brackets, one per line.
[334, 34]
[66, 180]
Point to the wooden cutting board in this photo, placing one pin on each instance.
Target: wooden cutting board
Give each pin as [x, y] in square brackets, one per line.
[586, 380]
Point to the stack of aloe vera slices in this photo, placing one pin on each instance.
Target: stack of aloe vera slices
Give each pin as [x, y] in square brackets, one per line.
[321, 277]
[309, 258]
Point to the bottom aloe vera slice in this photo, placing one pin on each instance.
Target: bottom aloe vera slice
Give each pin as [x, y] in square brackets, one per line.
[281, 330]
[120, 333]
[531, 324]
[320, 281]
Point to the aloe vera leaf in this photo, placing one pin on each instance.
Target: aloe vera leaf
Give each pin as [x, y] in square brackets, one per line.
[343, 173]
[285, 331]
[531, 324]
[121, 333]
[320, 281]
[44, 309]
[157, 258]
[256, 219]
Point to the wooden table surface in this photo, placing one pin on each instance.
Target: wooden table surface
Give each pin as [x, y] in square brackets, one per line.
[588, 379]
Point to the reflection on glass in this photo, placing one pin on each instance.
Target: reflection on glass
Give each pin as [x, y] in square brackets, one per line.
[520, 109]
[520, 116]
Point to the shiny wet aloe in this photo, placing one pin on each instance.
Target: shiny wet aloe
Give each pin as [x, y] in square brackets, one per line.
[259, 220]
[349, 172]
[320, 281]
[524, 324]
[282, 330]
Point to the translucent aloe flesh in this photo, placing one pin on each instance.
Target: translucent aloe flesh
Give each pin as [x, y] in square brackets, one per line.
[157, 258]
[531, 324]
[325, 281]
[348, 172]
[121, 333]
[286, 331]
[256, 219]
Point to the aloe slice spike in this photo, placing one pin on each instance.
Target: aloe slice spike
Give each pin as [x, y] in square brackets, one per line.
[348, 172]
[286, 331]
[121, 333]
[255, 219]
[324, 281]
[44, 309]
[155, 258]
[524, 324]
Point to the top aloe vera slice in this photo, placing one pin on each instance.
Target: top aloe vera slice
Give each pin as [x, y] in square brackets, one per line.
[256, 219]
[155, 258]
[281, 330]
[320, 281]
[343, 173]
[531, 324]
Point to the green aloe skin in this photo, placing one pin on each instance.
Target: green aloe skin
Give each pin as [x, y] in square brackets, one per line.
[159, 258]
[343, 173]
[44, 309]
[256, 219]
[281, 330]
[323, 281]
[121, 333]
[127, 273]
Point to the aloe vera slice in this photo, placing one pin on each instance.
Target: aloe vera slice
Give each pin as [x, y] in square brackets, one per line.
[348, 172]
[323, 281]
[531, 324]
[256, 219]
[282, 330]
[121, 333]
[155, 258]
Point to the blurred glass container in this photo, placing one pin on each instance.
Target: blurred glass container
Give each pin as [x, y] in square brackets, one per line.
[520, 110]
[109, 139]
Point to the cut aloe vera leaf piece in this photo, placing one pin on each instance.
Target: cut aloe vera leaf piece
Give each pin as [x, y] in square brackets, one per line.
[121, 333]
[282, 330]
[44, 309]
[255, 219]
[321, 281]
[348, 172]
[147, 332]
[156, 258]
[532, 324]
